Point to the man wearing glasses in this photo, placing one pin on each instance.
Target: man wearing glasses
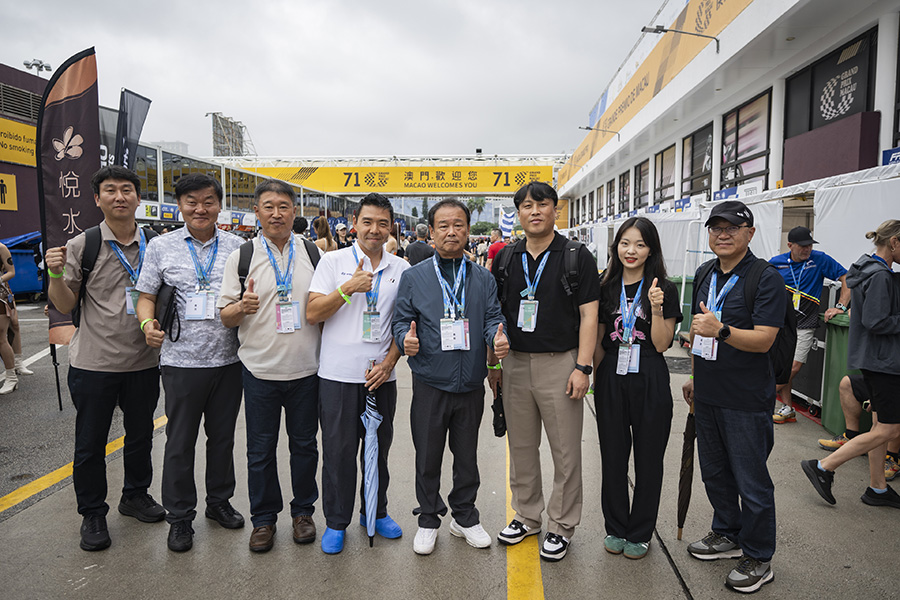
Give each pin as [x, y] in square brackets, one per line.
[733, 391]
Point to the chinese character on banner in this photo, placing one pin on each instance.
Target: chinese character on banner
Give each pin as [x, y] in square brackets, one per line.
[456, 175]
[439, 176]
[407, 176]
[71, 227]
[473, 175]
[68, 185]
[423, 176]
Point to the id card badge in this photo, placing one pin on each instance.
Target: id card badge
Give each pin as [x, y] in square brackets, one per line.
[284, 317]
[624, 359]
[131, 297]
[528, 310]
[795, 300]
[371, 327]
[211, 305]
[195, 306]
[454, 334]
[706, 348]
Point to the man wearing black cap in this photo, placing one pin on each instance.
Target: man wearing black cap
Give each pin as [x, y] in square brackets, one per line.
[804, 271]
[733, 389]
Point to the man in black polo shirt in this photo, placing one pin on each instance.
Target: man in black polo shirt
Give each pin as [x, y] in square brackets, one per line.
[419, 250]
[552, 335]
[733, 391]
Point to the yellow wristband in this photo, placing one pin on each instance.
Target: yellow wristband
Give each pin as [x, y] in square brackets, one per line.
[54, 275]
[144, 322]
[343, 295]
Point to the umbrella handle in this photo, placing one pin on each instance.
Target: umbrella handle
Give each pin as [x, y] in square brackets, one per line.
[680, 530]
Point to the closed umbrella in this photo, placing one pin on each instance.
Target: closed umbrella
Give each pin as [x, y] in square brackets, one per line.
[371, 419]
[686, 474]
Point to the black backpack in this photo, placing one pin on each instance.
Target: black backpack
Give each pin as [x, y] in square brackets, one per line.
[246, 255]
[781, 354]
[93, 239]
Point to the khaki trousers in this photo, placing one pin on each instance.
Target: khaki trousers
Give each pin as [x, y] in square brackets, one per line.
[534, 392]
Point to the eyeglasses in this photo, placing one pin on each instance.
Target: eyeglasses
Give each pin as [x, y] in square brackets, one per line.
[730, 230]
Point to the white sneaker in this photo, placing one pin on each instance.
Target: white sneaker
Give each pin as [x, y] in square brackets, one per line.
[425, 539]
[475, 535]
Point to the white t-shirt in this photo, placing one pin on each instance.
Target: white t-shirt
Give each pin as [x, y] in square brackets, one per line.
[345, 356]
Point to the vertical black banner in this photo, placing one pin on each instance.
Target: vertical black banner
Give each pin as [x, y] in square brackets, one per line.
[133, 109]
[68, 142]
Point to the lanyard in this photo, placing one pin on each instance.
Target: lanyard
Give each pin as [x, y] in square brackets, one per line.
[715, 302]
[459, 307]
[284, 282]
[629, 312]
[132, 272]
[531, 286]
[372, 295]
[794, 275]
[204, 275]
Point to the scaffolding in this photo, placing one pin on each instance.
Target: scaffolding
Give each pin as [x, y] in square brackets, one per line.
[230, 137]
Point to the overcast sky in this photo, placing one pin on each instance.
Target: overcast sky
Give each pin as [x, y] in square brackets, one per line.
[347, 77]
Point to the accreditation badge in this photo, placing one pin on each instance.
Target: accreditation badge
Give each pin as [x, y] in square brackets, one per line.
[528, 310]
[195, 306]
[211, 305]
[629, 359]
[706, 348]
[795, 300]
[454, 334]
[287, 317]
[131, 298]
[371, 326]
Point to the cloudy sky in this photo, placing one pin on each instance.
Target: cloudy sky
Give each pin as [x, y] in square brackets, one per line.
[347, 77]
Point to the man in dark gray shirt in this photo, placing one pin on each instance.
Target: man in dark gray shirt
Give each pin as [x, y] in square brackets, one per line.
[420, 249]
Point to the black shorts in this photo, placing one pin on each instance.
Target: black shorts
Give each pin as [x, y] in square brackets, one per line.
[859, 387]
[885, 388]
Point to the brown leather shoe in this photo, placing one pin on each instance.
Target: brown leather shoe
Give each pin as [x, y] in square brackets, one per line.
[304, 529]
[262, 538]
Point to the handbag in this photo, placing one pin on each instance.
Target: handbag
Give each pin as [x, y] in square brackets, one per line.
[166, 312]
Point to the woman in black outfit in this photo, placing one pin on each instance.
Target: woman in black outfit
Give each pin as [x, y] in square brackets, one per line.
[639, 310]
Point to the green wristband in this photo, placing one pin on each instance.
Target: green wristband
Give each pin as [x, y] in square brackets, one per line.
[144, 322]
[495, 367]
[343, 295]
[54, 275]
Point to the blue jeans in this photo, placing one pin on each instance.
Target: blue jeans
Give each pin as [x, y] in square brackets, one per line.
[263, 401]
[733, 447]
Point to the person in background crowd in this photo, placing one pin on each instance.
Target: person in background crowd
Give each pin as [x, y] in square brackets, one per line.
[342, 240]
[495, 246]
[324, 240]
[420, 249]
[300, 225]
[11, 353]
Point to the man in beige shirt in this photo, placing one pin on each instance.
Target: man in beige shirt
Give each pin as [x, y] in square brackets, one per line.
[279, 351]
[109, 363]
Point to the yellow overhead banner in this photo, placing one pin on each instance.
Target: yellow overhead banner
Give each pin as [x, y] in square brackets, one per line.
[8, 197]
[412, 180]
[673, 52]
[17, 143]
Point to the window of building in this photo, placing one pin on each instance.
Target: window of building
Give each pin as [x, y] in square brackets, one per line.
[696, 174]
[664, 176]
[745, 143]
[642, 184]
[590, 214]
[146, 170]
[600, 212]
[611, 198]
[624, 192]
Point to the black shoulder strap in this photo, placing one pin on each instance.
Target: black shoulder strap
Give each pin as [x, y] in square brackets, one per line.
[702, 273]
[570, 262]
[244, 258]
[313, 252]
[92, 241]
[751, 282]
[504, 259]
[149, 233]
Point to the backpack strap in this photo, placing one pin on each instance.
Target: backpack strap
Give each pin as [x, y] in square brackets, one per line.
[504, 259]
[702, 273]
[312, 250]
[570, 263]
[244, 258]
[92, 241]
[751, 282]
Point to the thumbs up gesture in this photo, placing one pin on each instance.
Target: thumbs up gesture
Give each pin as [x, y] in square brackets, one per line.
[411, 341]
[360, 282]
[250, 300]
[656, 296]
[705, 323]
[501, 343]
[153, 334]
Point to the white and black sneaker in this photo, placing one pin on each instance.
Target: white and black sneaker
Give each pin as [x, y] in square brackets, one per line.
[554, 547]
[749, 575]
[515, 532]
[713, 547]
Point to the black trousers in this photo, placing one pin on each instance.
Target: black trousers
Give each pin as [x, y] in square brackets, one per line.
[213, 395]
[434, 414]
[343, 438]
[96, 395]
[633, 411]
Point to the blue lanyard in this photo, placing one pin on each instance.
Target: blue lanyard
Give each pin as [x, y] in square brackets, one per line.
[531, 286]
[629, 312]
[372, 295]
[715, 302]
[132, 272]
[881, 260]
[794, 275]
[284, 282]
[204, 275]
[460, 306]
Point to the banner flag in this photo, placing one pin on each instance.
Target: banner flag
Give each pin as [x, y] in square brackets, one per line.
[68, 142]
[507, 220]
[133, 109]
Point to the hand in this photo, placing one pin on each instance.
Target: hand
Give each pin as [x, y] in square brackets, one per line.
[360, 282]
[378, 375]
[55, 259]
[495, 380]
[578, 384]
[831, 312]
[250, 301]
[501, 343]
[705, 323]
[411, 342]
[656, 296]
[687, 390]
[153, 334]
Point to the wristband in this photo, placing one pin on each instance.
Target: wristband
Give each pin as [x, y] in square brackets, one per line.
[54, 275]
[343, 295]
[692, 377]
[496, 367]
[144, 322]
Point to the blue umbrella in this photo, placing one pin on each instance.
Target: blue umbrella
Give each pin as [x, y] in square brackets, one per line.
[371, 419]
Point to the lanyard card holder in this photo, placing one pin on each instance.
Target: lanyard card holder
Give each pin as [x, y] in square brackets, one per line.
[195, 306]
[454, 334]
[528, 311]
[131, 298]
[629, 359]
[371, 326]
[287, 317]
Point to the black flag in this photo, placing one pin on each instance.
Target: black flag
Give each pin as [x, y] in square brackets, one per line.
[133, 109]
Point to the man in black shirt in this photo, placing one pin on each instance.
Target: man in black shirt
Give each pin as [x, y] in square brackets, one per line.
[553, 331]
[419, 250]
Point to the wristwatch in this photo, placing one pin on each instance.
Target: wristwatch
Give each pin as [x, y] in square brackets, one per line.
[840, 307]
[724, 333]
[587, 370]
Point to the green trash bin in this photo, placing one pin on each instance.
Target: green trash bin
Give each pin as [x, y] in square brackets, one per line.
[837, 337]
[685, 325]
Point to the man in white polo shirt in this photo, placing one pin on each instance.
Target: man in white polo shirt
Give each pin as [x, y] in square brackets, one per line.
[353, 293]
[279, 352]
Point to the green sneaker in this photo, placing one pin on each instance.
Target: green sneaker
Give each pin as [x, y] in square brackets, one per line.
[614, 545]
[636, 550]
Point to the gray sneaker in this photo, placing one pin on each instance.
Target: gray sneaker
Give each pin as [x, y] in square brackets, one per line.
[713, 547]
[749, 575]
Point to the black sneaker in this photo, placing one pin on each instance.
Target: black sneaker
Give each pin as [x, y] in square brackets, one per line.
[749, 575]
[94, 534]
[820, 479]
[181, 536]
[225, 515]
[713, 547]
[515, 532]
[554, 547]
[889, 498]
[142, 507]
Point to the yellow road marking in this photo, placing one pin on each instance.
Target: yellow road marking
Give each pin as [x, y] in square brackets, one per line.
[523, 563]
[42, 483]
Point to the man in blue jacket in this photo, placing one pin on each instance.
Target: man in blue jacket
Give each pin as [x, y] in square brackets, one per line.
[446, 318]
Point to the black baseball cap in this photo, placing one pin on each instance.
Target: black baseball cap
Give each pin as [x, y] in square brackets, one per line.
[732, 211]
[801, 236]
